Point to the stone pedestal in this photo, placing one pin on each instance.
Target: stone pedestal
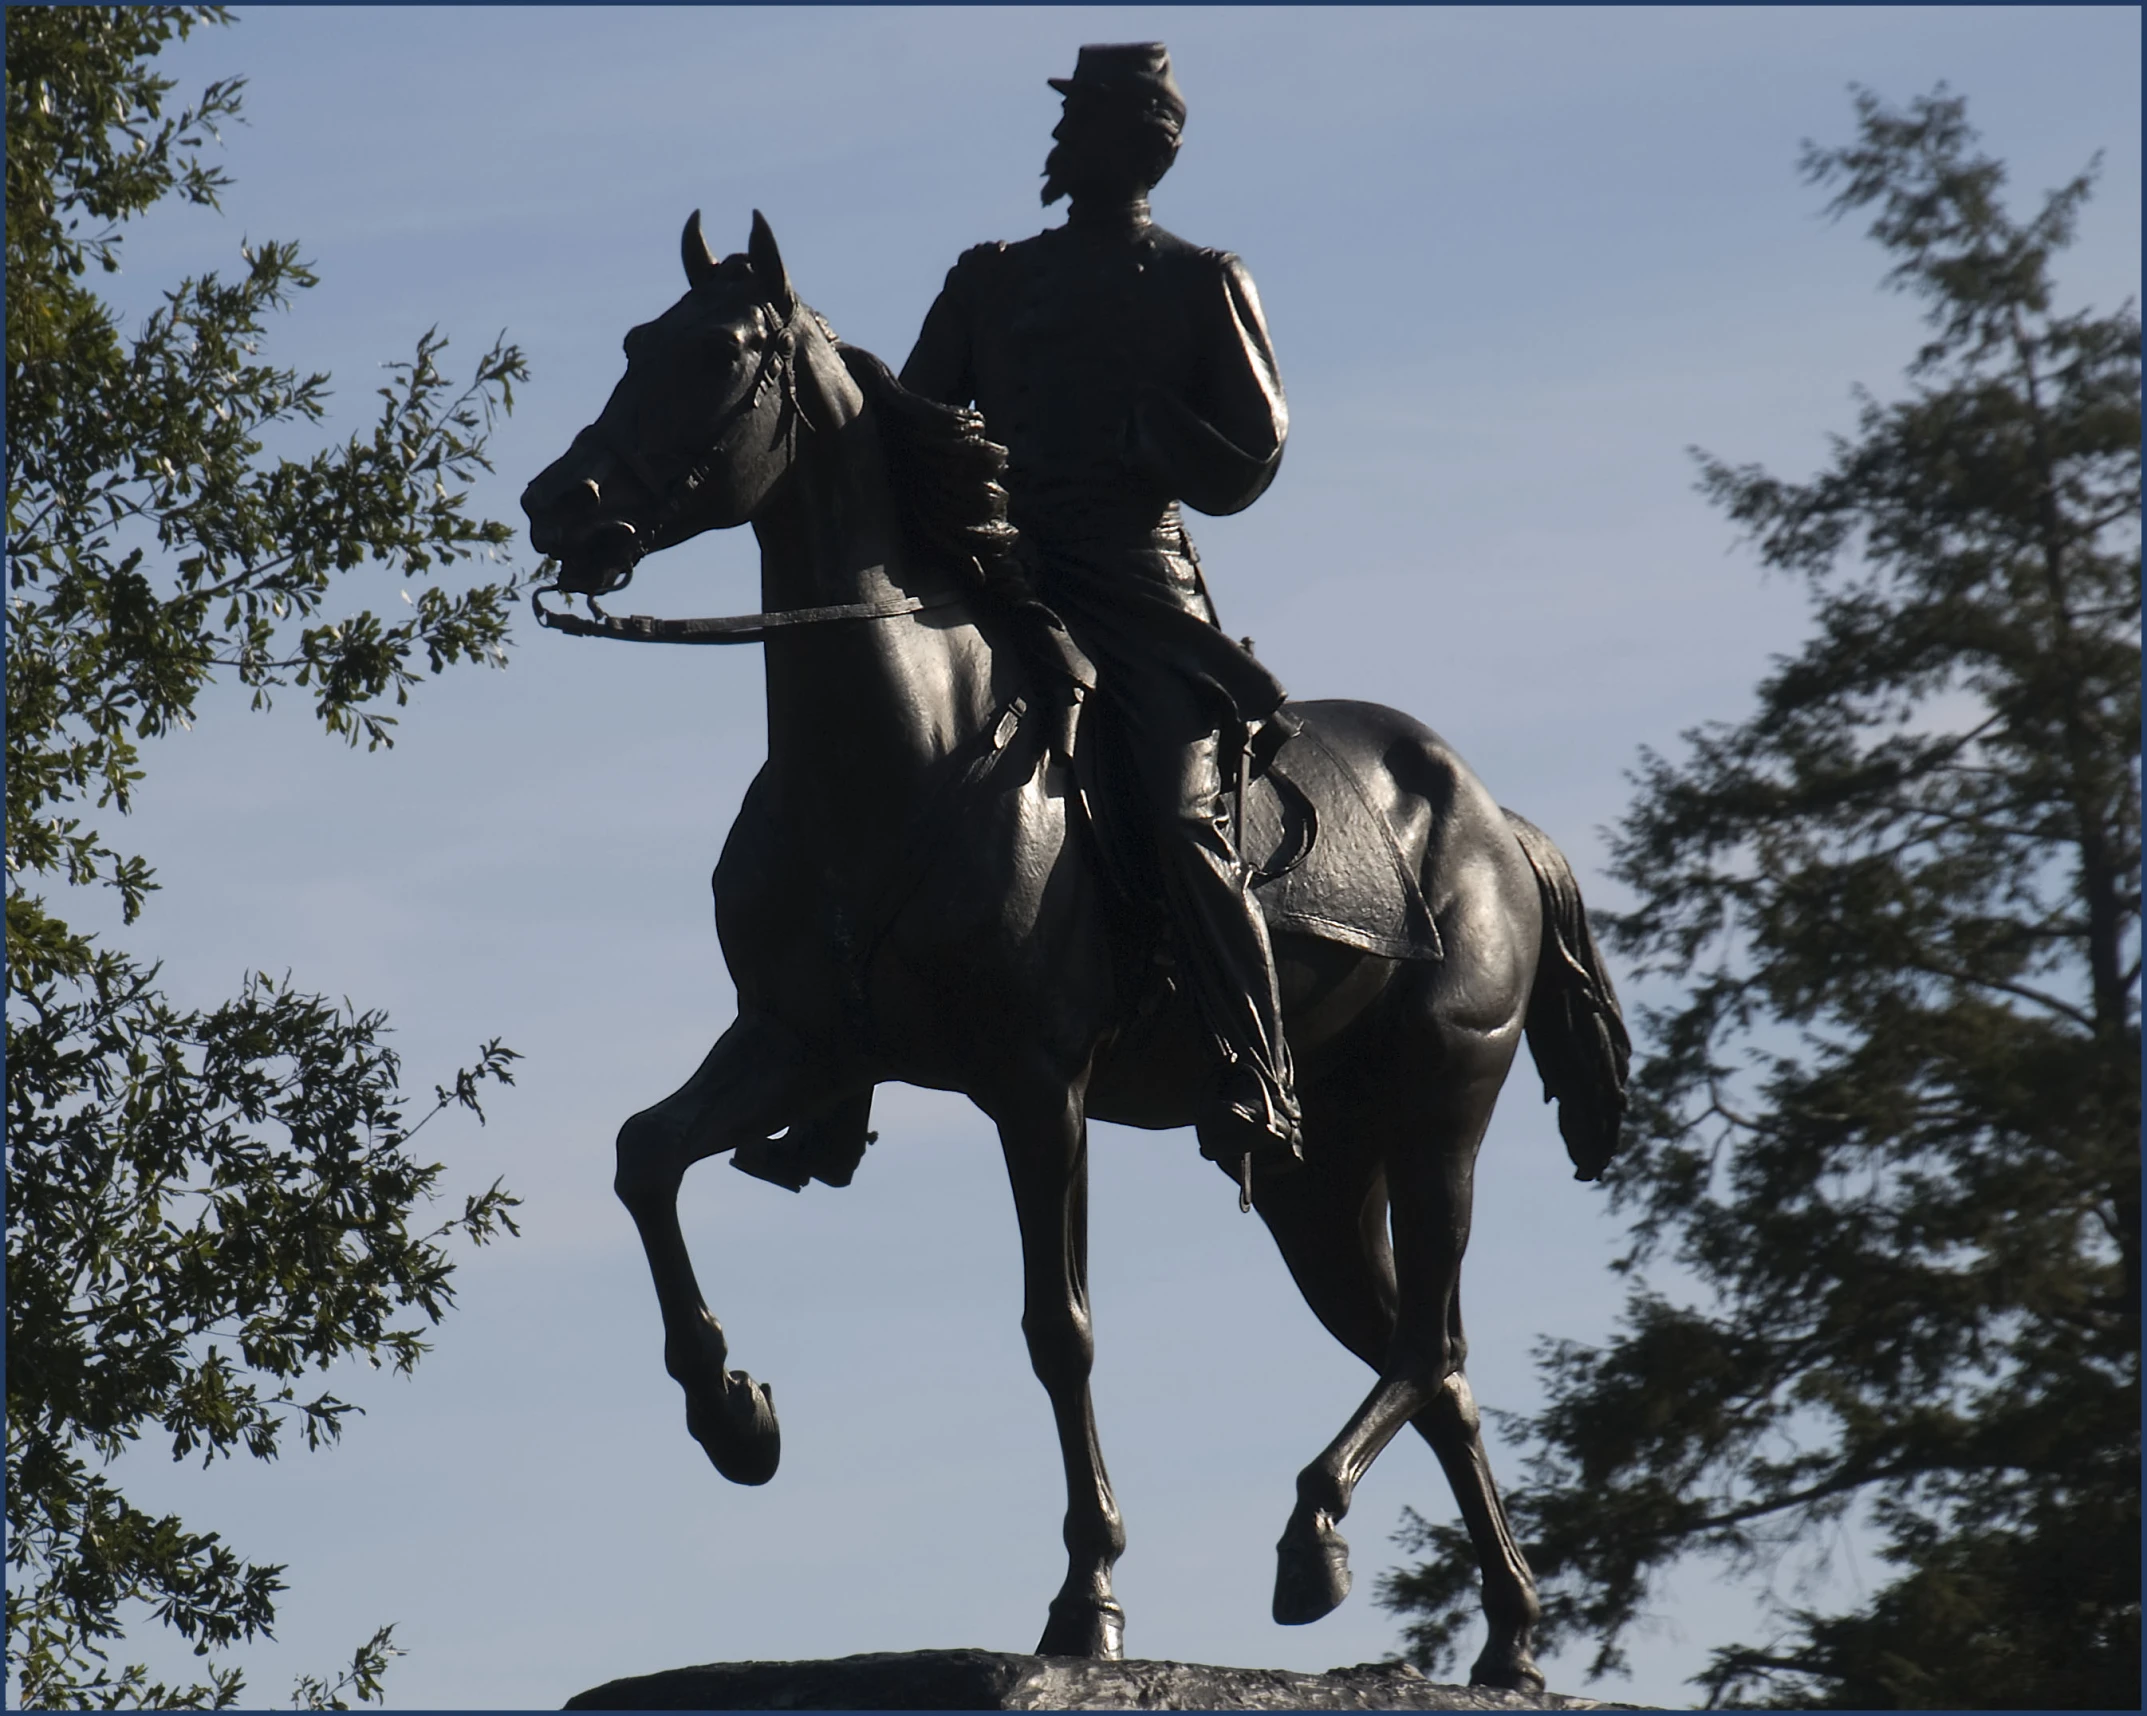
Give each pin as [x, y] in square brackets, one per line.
[1000, 1680]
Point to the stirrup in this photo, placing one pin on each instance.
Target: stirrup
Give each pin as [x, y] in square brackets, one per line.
[1247, 1139]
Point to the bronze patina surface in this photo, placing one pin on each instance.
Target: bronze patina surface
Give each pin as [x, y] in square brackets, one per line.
[941, 877]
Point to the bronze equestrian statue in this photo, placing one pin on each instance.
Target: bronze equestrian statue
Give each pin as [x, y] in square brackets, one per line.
[916, 889]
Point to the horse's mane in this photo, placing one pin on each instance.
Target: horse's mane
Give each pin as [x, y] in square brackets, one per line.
[945, 473]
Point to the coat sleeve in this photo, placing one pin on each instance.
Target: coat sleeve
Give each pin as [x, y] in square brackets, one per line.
[1218, 446]
[939, 365]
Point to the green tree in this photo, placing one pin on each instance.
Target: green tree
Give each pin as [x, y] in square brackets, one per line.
[1890, 1128]
[204, 1206]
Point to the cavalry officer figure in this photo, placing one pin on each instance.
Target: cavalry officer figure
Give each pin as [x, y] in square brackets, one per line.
[1125, 371]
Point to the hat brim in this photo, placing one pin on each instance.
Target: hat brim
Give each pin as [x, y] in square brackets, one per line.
[1067, 86]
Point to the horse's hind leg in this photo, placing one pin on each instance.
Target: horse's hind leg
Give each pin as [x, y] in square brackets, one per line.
[1045, 1138]
[1453, 1427]
[1332, 1233]
[755, 1080]
[1328, 1222]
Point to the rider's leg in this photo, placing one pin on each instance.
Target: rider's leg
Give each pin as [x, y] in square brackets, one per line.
[1178, 760]
[1233, 969]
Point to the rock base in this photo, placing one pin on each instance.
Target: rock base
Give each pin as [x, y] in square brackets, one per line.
[1000, 1680]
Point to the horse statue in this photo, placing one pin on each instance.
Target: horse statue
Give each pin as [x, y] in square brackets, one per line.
[914, 891]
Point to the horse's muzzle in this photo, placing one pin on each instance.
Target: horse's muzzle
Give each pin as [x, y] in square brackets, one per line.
[596, 553]
[596, 560]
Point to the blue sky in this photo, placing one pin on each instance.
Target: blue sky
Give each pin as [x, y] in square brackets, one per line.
[1515, 262]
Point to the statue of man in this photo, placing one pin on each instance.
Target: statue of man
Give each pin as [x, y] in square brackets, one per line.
[1125, 371]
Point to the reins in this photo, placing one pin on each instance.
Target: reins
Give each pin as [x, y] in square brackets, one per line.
[727, 629]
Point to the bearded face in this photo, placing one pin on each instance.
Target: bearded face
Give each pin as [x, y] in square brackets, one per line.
[1107, 151]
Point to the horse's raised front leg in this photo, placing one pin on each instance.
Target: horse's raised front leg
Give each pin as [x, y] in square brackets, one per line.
[754, 1081]
[1046, 1143]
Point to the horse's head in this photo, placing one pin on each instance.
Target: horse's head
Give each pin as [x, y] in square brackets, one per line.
[703, 425]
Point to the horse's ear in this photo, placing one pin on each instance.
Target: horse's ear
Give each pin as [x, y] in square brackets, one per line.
[768, 267]
[694, 252]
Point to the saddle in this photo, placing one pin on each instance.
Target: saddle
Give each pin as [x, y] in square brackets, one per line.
[1325, 860]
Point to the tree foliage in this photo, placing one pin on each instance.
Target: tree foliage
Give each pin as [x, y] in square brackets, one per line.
[1889, 1130]
[204, 1205]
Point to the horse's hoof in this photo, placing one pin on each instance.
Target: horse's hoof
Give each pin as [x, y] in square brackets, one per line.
[738, 1430]
[1311, 1572]
[1509, 1670]
[1084, 1626]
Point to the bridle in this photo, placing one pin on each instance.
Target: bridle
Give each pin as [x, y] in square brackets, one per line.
[775, 365]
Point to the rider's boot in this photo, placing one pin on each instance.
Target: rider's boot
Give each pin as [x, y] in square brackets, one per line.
[1251, 1121]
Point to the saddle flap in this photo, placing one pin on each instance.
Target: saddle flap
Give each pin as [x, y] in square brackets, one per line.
[1325, 859]
[1278, 826]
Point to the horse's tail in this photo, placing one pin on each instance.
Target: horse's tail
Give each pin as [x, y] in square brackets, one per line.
[1575, 1030]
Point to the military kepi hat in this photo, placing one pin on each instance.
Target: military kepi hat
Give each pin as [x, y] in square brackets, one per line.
[1136, 70]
